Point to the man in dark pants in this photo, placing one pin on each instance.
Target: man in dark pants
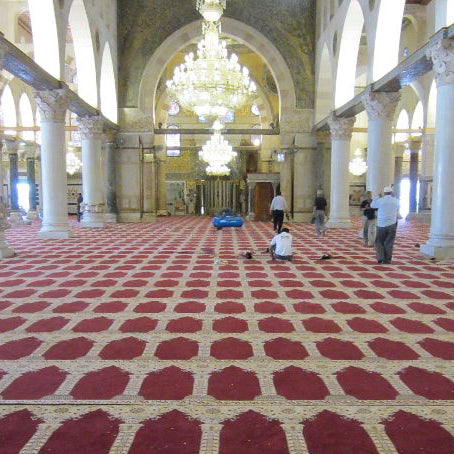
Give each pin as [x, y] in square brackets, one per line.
[277, 209]
[388, 209]
[80, 199]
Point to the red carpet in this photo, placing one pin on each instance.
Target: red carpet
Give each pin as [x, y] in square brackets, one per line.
[160, 338]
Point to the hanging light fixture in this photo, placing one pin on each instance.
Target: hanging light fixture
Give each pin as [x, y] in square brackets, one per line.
[217, 152]
[211, 83]
[73, 163]
[357, 166]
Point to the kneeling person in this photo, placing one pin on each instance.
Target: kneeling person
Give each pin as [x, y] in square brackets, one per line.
[281, 245]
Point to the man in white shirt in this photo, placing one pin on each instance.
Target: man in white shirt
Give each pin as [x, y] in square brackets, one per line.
[281, 246]
[277, 209]
[388, 211]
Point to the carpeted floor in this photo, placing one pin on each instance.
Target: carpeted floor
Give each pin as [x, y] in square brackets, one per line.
[160, 339]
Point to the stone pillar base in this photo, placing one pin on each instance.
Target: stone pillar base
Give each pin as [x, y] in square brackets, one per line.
[32, 215]
[339, 224]
[437, 252]
[148, 217]
[57, 232]
[162, 213]
[250, 217]
[5, 251]
[93, 220]
[422, 217]
[301, 216]
[15, 217]
[128, 216]
[111, 218]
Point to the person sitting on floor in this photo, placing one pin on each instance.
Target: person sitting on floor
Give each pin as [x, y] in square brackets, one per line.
[281, 245]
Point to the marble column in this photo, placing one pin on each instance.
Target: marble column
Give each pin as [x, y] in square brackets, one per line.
[53, 105]
[5, 250]
[250, 201]
[380, 108]
[441, 240]
[287, 178]
[398, 165]
[427, 167]
[40, 182]
[161, 185]
[341, 135]
[149, 187]
[91, 130]
[414, 147]
[30, 151]
[304, 183]
[12, 147]
[110, 150]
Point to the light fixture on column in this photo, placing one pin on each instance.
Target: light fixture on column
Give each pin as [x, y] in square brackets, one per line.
[357, 165]
[211, 84]
[217, 152]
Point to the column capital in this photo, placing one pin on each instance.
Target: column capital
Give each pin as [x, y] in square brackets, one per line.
[414, 145]
[12, 145]
[398, 149]
[341, 128]
[90, 127]
[30, 151]
[442, 55]
[52, 104]
[380, 105]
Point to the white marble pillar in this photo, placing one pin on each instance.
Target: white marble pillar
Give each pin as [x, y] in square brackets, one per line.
[427, 170]
[53, 105]
[441, 241]
[30, 156]
[110, 149]
[286, 181]
[5, 250]
[91, 129]
[341, 136]
[12, 146]
[398, 150]
[414, 146]
[380, 109]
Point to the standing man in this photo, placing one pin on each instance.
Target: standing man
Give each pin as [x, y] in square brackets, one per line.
[80, 199]
[368, 220]
[277, 209]
[319, 213]
[388, 210]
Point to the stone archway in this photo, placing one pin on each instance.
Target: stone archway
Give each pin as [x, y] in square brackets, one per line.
[233, 29]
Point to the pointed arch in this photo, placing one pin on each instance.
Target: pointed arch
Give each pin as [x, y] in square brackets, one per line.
[26, 117]
[417, 122]
[403, 122]
[324, 98]
[387, 37]
[108, 86]
[45, 35]
[348, 54]
[432, 106]
[84, 52]
[8, 110]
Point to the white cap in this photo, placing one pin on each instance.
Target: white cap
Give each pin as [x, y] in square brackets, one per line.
[388, 189]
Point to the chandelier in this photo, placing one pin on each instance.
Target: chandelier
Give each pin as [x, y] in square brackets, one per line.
[357, 165]
[211, 83]
[217, 152]
[73, 163]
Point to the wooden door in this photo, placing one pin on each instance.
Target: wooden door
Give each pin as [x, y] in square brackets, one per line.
[263, 197]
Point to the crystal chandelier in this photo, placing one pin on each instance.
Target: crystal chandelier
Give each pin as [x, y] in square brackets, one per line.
[357, 165]
[217, 152]
[211, 84]
[73, 163]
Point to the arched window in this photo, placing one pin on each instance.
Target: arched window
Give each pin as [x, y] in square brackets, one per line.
[8, 111]
[256, 139]
[403, 122]
[174, 109]
[255, 110]
[418, 119]
[173, 140]
[26, 116]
